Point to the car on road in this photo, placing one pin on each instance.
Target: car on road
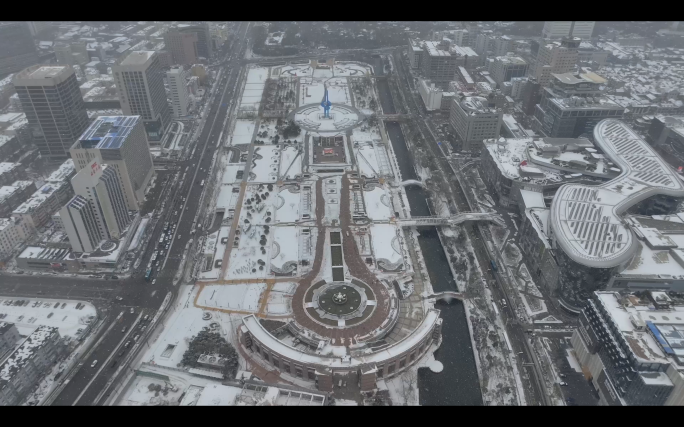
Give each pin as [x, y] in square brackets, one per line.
[123, 330]
[154, 281]
[132, 310]
[94, 364]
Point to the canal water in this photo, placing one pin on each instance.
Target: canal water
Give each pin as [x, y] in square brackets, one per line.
[458, 383]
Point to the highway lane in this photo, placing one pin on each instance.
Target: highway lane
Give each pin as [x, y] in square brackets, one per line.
[111, 338]
[135, 289]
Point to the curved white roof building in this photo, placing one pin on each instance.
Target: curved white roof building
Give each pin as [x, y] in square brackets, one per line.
[586, 220]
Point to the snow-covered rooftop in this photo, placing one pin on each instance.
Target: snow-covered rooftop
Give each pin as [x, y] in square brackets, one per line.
[586, 220]
[26, 350]
[651, 334]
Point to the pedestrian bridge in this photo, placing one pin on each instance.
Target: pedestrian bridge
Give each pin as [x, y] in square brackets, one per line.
[447, 295]
[409, 182]
[394, 117]
[458, 219]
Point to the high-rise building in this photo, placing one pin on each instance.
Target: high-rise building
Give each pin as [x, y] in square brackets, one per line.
[439, 65]
[205, 47]
[182, 46]
[180, 100]
[554, 58]
[475, 119]
[560, 29]
[504, 68]
[573, 105]
[56, 114]
[98, 185]
[121, 143]
[78, 220]
[17, 50]
[140, 82]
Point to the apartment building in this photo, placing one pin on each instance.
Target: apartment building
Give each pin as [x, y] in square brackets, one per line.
[13, 231]
[9, 337]
[27, 365]
[11, 196]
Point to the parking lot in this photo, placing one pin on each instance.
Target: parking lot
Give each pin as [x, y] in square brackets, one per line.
[71, 317]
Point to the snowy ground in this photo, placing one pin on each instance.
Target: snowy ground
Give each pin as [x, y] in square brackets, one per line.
[285, 245]
[185, 321]
[288, 211]
[280, 300]
[290, 162]
[214, 248]
[68, 319]
[338, 91]
[243, 297]
[367, 160]
[384, 244]
[226, 198]
[331, 192]
[322, 73]
[364, 133]
[230, 171]
[311, 93]
[265, 164]
[242, 134]
[377, 204]
[351, 69]
[244, 262]
[301, 70]
[254, 88]
[272, 40]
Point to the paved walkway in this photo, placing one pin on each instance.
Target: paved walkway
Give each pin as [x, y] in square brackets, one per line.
[357, 268]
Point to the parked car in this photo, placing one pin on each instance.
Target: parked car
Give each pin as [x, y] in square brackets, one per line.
[563, 383]
[94, 364]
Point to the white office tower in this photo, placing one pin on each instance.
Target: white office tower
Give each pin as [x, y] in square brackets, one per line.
[101, 187]
[80, 225]
[121, 143]
[560, 29]
[139, 81]
[180, 100]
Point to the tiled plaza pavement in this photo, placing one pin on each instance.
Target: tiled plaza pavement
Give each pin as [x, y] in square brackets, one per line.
[357, 268]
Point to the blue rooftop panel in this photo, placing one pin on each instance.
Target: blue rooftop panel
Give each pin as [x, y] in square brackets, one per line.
[108, 132]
